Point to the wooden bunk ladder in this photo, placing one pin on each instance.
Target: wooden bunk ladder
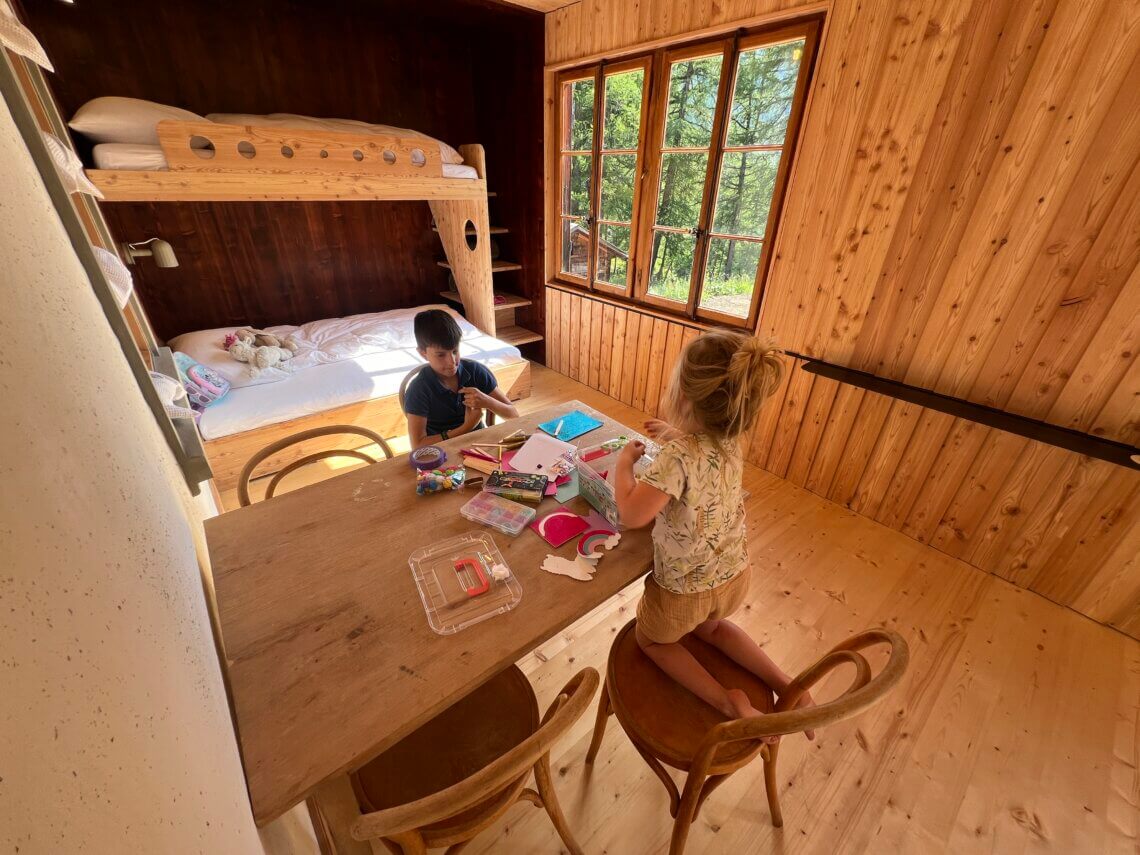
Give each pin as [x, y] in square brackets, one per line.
[464, 228]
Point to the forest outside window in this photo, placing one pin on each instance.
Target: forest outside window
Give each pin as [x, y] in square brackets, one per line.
[709, 127]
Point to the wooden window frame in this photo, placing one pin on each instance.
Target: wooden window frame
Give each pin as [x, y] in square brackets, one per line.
[598, 72]
[649, 163]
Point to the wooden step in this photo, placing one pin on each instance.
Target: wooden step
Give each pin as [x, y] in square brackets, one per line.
[497, 266]
[495, 230]
[516, 335]
[513, 301]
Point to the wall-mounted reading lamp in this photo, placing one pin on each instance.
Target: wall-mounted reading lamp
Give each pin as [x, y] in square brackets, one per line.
[157, 248]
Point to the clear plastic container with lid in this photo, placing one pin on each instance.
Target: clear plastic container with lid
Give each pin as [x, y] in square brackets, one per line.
[507, 516]
[455, 582]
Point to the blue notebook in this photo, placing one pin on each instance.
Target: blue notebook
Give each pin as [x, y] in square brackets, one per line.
[573, 425]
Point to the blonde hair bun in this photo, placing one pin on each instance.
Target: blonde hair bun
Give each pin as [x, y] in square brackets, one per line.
[721, 380]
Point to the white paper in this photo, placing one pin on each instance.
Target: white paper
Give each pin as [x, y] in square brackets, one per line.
[542, 455]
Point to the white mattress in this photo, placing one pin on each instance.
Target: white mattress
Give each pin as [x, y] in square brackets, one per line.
[149, 158]
[347, 360]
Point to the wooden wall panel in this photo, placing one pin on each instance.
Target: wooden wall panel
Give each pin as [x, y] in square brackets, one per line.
[465, 71]
[963, 214]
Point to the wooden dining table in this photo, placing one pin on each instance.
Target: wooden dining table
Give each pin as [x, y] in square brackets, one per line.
[328, 652]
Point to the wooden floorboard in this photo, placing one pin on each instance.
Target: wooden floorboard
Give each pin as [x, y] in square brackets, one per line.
[1016, 729]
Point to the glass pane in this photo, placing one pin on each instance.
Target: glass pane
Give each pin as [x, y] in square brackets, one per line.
[575, 248]
[613, 254]
[730, 276]
[671, 265]
[623, 109]
[747, 179]
[577, 174]
[762, 96]
[617, 186]
[681, 190]
[692, 102]
[579, 122]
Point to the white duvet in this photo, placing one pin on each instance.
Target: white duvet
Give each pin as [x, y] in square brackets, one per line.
[339, 361]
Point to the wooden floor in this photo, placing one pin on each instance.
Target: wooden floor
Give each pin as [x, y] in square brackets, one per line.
[1016, 729]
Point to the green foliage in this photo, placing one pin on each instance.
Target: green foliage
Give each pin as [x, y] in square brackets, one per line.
[622, 109]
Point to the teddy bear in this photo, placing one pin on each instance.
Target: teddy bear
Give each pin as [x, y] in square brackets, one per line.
[259, 348]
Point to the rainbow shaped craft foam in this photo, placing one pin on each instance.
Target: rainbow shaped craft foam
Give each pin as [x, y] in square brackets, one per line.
[591, 543]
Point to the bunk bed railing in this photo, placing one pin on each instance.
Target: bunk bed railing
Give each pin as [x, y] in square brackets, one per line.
[250, 148]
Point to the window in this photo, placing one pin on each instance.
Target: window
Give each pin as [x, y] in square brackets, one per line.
[596, 239]
[708, 126]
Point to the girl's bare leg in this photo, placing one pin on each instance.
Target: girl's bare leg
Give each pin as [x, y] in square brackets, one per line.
[683, 667]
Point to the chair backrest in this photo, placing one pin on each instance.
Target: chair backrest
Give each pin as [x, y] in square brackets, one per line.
[304, 436]
[863, 692]
[563, 712]
[489, 417]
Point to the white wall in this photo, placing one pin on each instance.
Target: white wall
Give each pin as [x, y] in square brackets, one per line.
[114, 731]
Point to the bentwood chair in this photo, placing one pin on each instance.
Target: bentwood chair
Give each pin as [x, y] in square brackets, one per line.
[669, 725]
[410, 377]
[460, 772]
[302, 437]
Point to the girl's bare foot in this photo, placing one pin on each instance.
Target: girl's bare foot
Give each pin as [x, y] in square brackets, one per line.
[742, 706]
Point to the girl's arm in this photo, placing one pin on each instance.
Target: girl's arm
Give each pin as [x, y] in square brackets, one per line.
[637, 503]
[661, 431]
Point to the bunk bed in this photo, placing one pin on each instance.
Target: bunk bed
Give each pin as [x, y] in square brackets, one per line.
[210, 161]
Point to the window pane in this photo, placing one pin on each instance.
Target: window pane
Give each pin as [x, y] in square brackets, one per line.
[730, 276]
[681, 190]
[747, 179]
[623, 109]
[579, 123]
[613, 254]
[617, 186]
[671, 265]
[692, 102]
[575, 248]
[763, 94]
[577, 173]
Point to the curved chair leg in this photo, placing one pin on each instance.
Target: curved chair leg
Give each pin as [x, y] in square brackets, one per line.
[604, 711]
[456, 848]
[550, 802]
[659, 771]
[410, 843]
[685, 813]
[771, 787]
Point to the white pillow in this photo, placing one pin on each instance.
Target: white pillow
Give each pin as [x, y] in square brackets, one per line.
[69, 167]
[348, 126]
[206, 347]
[19, 39]
[129, 156]
[112, 119]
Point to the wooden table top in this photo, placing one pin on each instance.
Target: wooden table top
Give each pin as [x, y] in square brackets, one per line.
[329, 655]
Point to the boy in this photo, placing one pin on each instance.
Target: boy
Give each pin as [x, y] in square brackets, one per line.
[448, 398]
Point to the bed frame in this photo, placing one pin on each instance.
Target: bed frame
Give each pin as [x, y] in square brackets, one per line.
[248, 163]
[229, 454]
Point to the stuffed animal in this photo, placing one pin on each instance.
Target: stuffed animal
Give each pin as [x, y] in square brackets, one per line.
[259, 348]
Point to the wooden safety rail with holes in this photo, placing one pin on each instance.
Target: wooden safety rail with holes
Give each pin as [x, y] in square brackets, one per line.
[214, 162]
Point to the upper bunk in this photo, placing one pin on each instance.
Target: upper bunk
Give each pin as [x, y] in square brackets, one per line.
[210, 161]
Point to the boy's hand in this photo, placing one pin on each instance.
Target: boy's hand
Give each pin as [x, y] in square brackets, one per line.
[472, 397]
[474, 415]
[657, 429]
[631, 453]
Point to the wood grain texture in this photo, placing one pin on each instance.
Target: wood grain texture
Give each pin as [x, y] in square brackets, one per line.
[295, 650]
[979, 235]
[461, 70]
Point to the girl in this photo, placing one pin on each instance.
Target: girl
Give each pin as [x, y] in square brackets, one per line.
[693, 490]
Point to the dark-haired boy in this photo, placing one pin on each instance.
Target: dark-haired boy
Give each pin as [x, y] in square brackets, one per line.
[448, 397]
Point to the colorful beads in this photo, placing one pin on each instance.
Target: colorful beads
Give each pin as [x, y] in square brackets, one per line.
[436, 480]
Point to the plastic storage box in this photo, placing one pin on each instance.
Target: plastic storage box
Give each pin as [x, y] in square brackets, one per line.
[507, 516]
[450, 575]
[596, 488]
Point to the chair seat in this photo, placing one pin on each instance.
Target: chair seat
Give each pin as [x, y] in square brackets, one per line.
[457, 743]
[668, 720]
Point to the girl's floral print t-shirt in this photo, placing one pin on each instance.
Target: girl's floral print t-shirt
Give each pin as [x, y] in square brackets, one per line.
[698, 540]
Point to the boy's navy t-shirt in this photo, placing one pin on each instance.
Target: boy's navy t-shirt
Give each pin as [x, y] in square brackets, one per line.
[444, 409]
